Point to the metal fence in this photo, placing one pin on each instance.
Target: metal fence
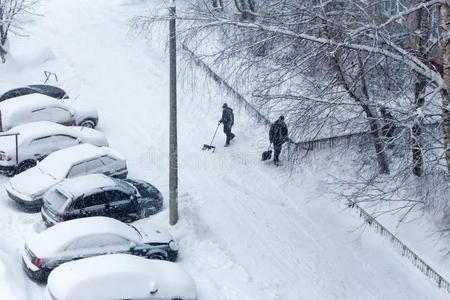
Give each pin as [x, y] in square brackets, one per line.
[405, 251]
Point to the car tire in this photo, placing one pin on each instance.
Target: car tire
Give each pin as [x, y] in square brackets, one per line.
[87, 123]
[25, 165]
[157, 256]
[11, 173]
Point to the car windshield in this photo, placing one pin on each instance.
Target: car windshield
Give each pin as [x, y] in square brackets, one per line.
[56, 200]
[125, 185]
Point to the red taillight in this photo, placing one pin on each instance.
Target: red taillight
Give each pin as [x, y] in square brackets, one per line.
[38, 262]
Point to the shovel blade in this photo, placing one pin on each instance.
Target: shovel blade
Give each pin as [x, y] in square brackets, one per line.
[208, 147]
[266, 155]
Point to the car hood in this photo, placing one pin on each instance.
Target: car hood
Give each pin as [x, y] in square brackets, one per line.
[91, 136]
[32, 182]
[153, 235]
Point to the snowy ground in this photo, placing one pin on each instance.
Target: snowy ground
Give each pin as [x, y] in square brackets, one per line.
[247, 230]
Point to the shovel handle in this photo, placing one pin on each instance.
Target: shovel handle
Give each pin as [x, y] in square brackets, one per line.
[215, 132]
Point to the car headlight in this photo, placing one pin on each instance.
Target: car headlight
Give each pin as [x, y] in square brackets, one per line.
[173, 246]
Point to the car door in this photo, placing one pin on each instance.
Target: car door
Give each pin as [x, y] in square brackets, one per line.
[112, 166]
[120, 204]
[40, 114]
[95, 204]
[77, 170]
[113, 243]
[95, 166]
[83, 247]
[41, 147]
[61, 115]
[61, 141]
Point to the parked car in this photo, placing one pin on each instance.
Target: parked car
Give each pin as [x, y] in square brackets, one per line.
[38, 139]
[28, 188]
[89, 237]
[44, 89]
[100, 195]
[120, 276]
[37, 107]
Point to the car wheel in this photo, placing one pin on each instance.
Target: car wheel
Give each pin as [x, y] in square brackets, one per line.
[88, 123]
[156, 256]
[11, 173]
[25, 165]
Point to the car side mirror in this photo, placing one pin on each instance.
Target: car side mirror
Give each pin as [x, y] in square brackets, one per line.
[132, 245]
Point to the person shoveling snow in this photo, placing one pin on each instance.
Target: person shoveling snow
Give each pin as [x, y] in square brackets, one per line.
[228, 121]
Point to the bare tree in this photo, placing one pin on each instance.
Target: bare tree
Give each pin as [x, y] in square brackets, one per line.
[337, 67]
[10, 11]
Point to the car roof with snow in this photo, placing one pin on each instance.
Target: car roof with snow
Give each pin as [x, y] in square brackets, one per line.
[27, 102]
[68, 157]
[126, 276]
[79, 185]
[56, 238]
[38, 129]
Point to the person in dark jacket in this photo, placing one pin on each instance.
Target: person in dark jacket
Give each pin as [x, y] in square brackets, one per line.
[278, 134]
[228, 121]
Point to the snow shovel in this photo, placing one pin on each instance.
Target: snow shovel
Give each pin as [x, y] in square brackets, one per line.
[210, 146]
[266, 155]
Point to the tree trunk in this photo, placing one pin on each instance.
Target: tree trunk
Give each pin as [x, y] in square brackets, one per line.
[3, 52]
[374, 123]
[443, 33]
[423, 29]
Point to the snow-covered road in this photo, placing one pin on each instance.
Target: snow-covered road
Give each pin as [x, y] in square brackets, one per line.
[247, 230]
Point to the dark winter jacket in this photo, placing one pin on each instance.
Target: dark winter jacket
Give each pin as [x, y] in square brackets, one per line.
[227, 117]
[278, 133]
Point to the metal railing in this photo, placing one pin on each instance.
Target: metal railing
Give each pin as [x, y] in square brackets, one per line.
[406, 252]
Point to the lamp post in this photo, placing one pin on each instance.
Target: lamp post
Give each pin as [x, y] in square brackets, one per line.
[173, 155]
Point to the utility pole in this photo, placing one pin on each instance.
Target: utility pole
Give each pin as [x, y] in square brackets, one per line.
[173, 155]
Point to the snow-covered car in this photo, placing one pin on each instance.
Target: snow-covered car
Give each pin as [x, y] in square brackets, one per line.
[94, 236]
[100, 195]
[44, 89]
[36, 140]
[38, 107]
[120, 276]
[28, 188]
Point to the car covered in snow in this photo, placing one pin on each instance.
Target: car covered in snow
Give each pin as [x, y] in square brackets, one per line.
[44, 89]
[36, 140]
[37, 107]
[28, 187]
[100, 195]
[89, 237]
[120, 276]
